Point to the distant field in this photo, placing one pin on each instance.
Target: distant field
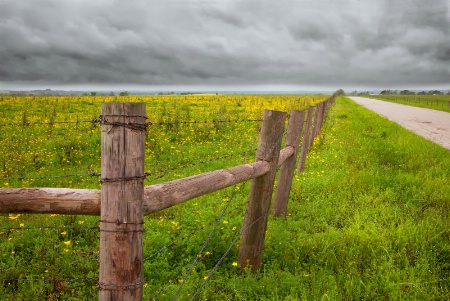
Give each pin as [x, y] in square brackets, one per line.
[183, 129]
[435, 102]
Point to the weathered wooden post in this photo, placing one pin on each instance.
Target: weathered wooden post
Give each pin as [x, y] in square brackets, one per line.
[317, 120]
[287, 169]
[260, 196]
[321, 117]
[122, 193]
[306, 140]
[313, 126]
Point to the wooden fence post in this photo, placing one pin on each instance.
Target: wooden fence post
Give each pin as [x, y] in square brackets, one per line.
[321, 117]
[314, 126]
[306, 139]
[287, 169]
[317, 120]
[122, 193]
[260, 196]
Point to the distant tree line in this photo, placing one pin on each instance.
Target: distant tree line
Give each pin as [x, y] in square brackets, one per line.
[402, 92]
[408, 92]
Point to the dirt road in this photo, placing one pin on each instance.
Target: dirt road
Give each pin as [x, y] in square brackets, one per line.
[430, 124]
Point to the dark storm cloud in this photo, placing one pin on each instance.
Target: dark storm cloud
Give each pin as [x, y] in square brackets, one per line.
[225, 42]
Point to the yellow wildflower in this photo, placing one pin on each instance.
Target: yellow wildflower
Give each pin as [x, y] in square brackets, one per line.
[67, 242]
[12, 216]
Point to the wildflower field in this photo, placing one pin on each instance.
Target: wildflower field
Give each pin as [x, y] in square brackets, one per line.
[367, 220]
[54, 141]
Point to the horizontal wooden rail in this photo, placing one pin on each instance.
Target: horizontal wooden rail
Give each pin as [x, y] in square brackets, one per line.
[285, 153]
[156, 197]
[161, 196]
[50, 200]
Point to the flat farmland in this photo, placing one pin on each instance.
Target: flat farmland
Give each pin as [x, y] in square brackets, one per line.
[367, 220]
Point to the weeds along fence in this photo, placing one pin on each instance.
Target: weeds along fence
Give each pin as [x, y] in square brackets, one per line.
[123, 201]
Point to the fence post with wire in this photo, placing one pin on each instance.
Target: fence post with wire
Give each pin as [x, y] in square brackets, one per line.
[294, 133]
[122, 195]
[255, 220]
[123, 200]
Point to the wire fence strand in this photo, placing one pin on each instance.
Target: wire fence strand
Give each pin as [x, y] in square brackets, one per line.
[49, 280]
[218, 220]
[92, 121]
[92, 174]
[163, 172]
[51, 227]
[96, 121]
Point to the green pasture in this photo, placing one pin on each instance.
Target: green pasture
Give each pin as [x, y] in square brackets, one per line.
[367, 220]
[435, 102]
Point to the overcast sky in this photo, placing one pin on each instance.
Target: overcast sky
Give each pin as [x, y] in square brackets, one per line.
[225, 44]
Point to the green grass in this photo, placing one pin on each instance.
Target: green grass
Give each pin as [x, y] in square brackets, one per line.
[368, 220]
[435, 102]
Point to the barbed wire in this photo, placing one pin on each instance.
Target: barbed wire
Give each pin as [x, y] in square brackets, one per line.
[173, 243]
[161, 249]
[180, 239]
[50, 280]
[99, 120]
[161, 172]
[51, 227]
[199, 163]
[216, 266]
[150, 123]
[92, 121]
[219, 262]
[196, 260]
[92, 174]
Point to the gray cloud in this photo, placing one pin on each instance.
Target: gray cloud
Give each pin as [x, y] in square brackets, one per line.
[225, 42]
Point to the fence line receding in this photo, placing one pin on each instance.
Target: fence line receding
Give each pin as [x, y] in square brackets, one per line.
[123, 200]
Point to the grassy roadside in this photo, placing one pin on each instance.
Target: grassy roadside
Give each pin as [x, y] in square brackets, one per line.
[435, 102]
[369, 220]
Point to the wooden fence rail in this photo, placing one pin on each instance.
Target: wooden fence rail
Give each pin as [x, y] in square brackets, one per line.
[123, 200]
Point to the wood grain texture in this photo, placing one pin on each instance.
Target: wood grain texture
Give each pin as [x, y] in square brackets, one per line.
[306, 140]
[161, 196]
[288, 168]
[122, 193]
[50, 200]
[260, 196]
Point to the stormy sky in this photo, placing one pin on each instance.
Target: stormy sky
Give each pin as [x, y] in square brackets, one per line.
[225, 44]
